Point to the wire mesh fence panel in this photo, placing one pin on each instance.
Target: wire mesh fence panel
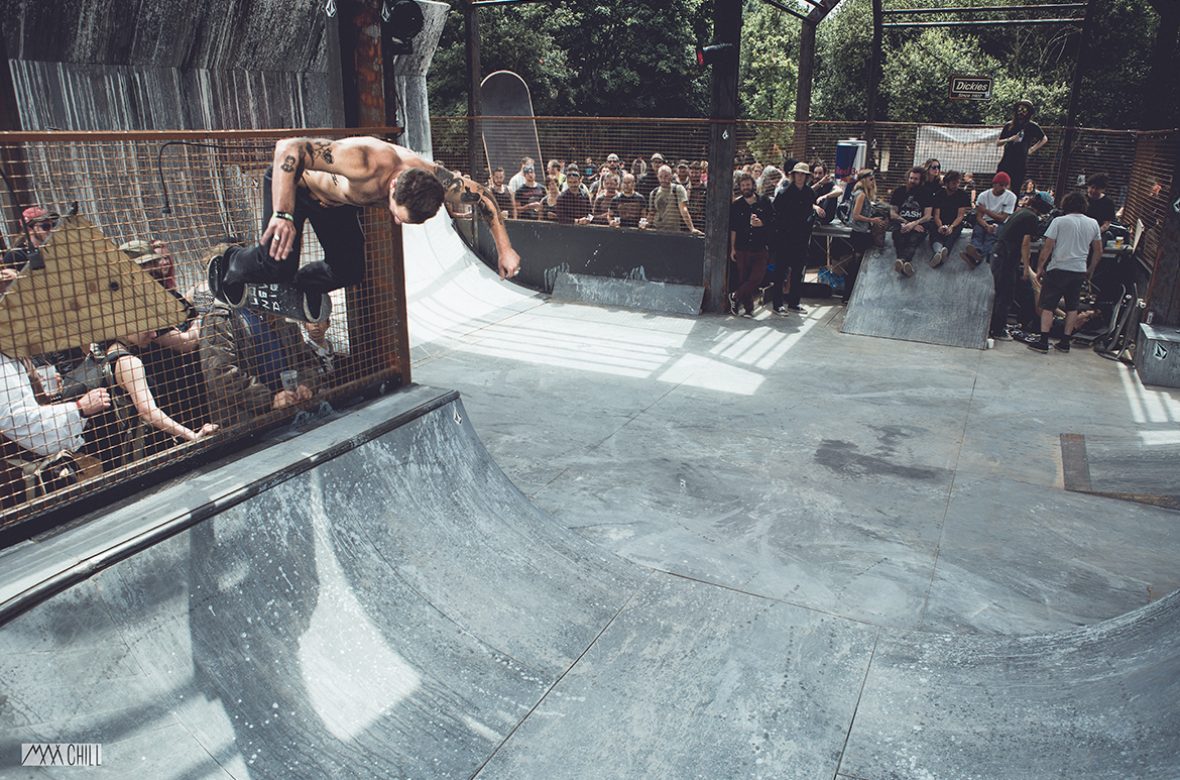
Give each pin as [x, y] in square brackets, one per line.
[116, 357]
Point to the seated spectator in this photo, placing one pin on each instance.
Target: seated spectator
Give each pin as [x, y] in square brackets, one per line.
[772, 181]
[573, 204]
[529, 196]
[991, 209]
[932, 179]
[328, 354]
[627, 207]
[600, 211]
[827, 191]
[668, 205]
[862, 221]
[549, 202]
[1099, 207]
[243, 357]
[31, 430]
[501, 193]
[910, 213]
[133, 402]
[36, 224]
[948, 209]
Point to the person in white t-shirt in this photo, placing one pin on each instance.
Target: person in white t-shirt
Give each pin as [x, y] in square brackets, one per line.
[1069, 256]
[991, 209]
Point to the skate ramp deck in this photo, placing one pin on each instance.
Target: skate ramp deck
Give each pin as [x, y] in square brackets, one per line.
[949, 305]
[376, 599]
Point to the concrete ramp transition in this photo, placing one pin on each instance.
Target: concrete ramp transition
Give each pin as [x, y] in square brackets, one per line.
[949, 305]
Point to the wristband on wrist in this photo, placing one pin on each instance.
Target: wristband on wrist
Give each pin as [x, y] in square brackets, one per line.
[283, 215]
[78, 406]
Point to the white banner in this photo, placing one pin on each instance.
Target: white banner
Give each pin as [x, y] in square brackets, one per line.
[964, 149]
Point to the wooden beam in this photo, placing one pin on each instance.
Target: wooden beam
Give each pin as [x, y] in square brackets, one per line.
[727, 28]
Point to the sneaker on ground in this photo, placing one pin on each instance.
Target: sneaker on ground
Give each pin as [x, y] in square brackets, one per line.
[971, 255]
[908, 268]
[747, 315]
[797, 309]
[1062, 346]
[1002, 335]
[781, 311]
[898, 265]
[938, 257]
[733, 304]
[1039, 346]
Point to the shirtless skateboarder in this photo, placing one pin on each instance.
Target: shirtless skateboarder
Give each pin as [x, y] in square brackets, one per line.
[328, 182]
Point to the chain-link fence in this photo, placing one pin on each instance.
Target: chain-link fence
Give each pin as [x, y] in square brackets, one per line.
[116, 358]
[1138, 164]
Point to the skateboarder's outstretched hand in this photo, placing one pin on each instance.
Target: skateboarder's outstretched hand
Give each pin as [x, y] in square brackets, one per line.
[509, 264]
[283, 233]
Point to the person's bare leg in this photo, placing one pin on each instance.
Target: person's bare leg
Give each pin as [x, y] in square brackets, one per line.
[1071, 321]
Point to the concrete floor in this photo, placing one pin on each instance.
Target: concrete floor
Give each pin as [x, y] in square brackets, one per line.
[900, 484]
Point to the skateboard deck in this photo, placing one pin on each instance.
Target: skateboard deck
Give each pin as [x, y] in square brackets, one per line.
[281, 298]
[505, 141]
[286, 300]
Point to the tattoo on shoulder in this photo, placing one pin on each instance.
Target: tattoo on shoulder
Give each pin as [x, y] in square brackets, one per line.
[447, 178]
[288, 164]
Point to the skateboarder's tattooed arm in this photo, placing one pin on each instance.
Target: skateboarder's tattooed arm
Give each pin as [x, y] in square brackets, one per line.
[461, 190]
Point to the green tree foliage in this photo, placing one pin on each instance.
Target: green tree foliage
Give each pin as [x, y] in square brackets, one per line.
[769, 70]
[616, 58]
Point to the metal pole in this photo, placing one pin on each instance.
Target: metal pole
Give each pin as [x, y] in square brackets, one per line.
[986, 8]
[874, 80]
[803, 93]
[986, 23]
[475, 163]
[1075, 95]
[727, 28]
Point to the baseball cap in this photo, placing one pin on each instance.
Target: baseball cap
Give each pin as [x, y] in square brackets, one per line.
[1002, 178]
[140, 251]
[573, 172]
[612, 157]
[529, 169]
[36, 213]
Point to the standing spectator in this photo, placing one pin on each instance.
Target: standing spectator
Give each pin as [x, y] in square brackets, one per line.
[518, 178]
[600, 211]
[556, 171]
[638, 169]
[949, 209]
[528, 196]
[991, 209]
[1062, 268]
[648, 182]
[1020, 138]
[862, 222]
[573, 204]
[758, 171]
[1014, 240]
[628, 206]
[36, 223]
[581, 184]
[549, 202]
[501, 193]
[1099, 207]
[749, 217]
[794, 214]
[910, 212]
[827, 191]
[771, 182]
[683, 178]
[668, 205]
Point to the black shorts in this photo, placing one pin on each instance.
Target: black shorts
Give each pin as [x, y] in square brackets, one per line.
[1060, 284]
